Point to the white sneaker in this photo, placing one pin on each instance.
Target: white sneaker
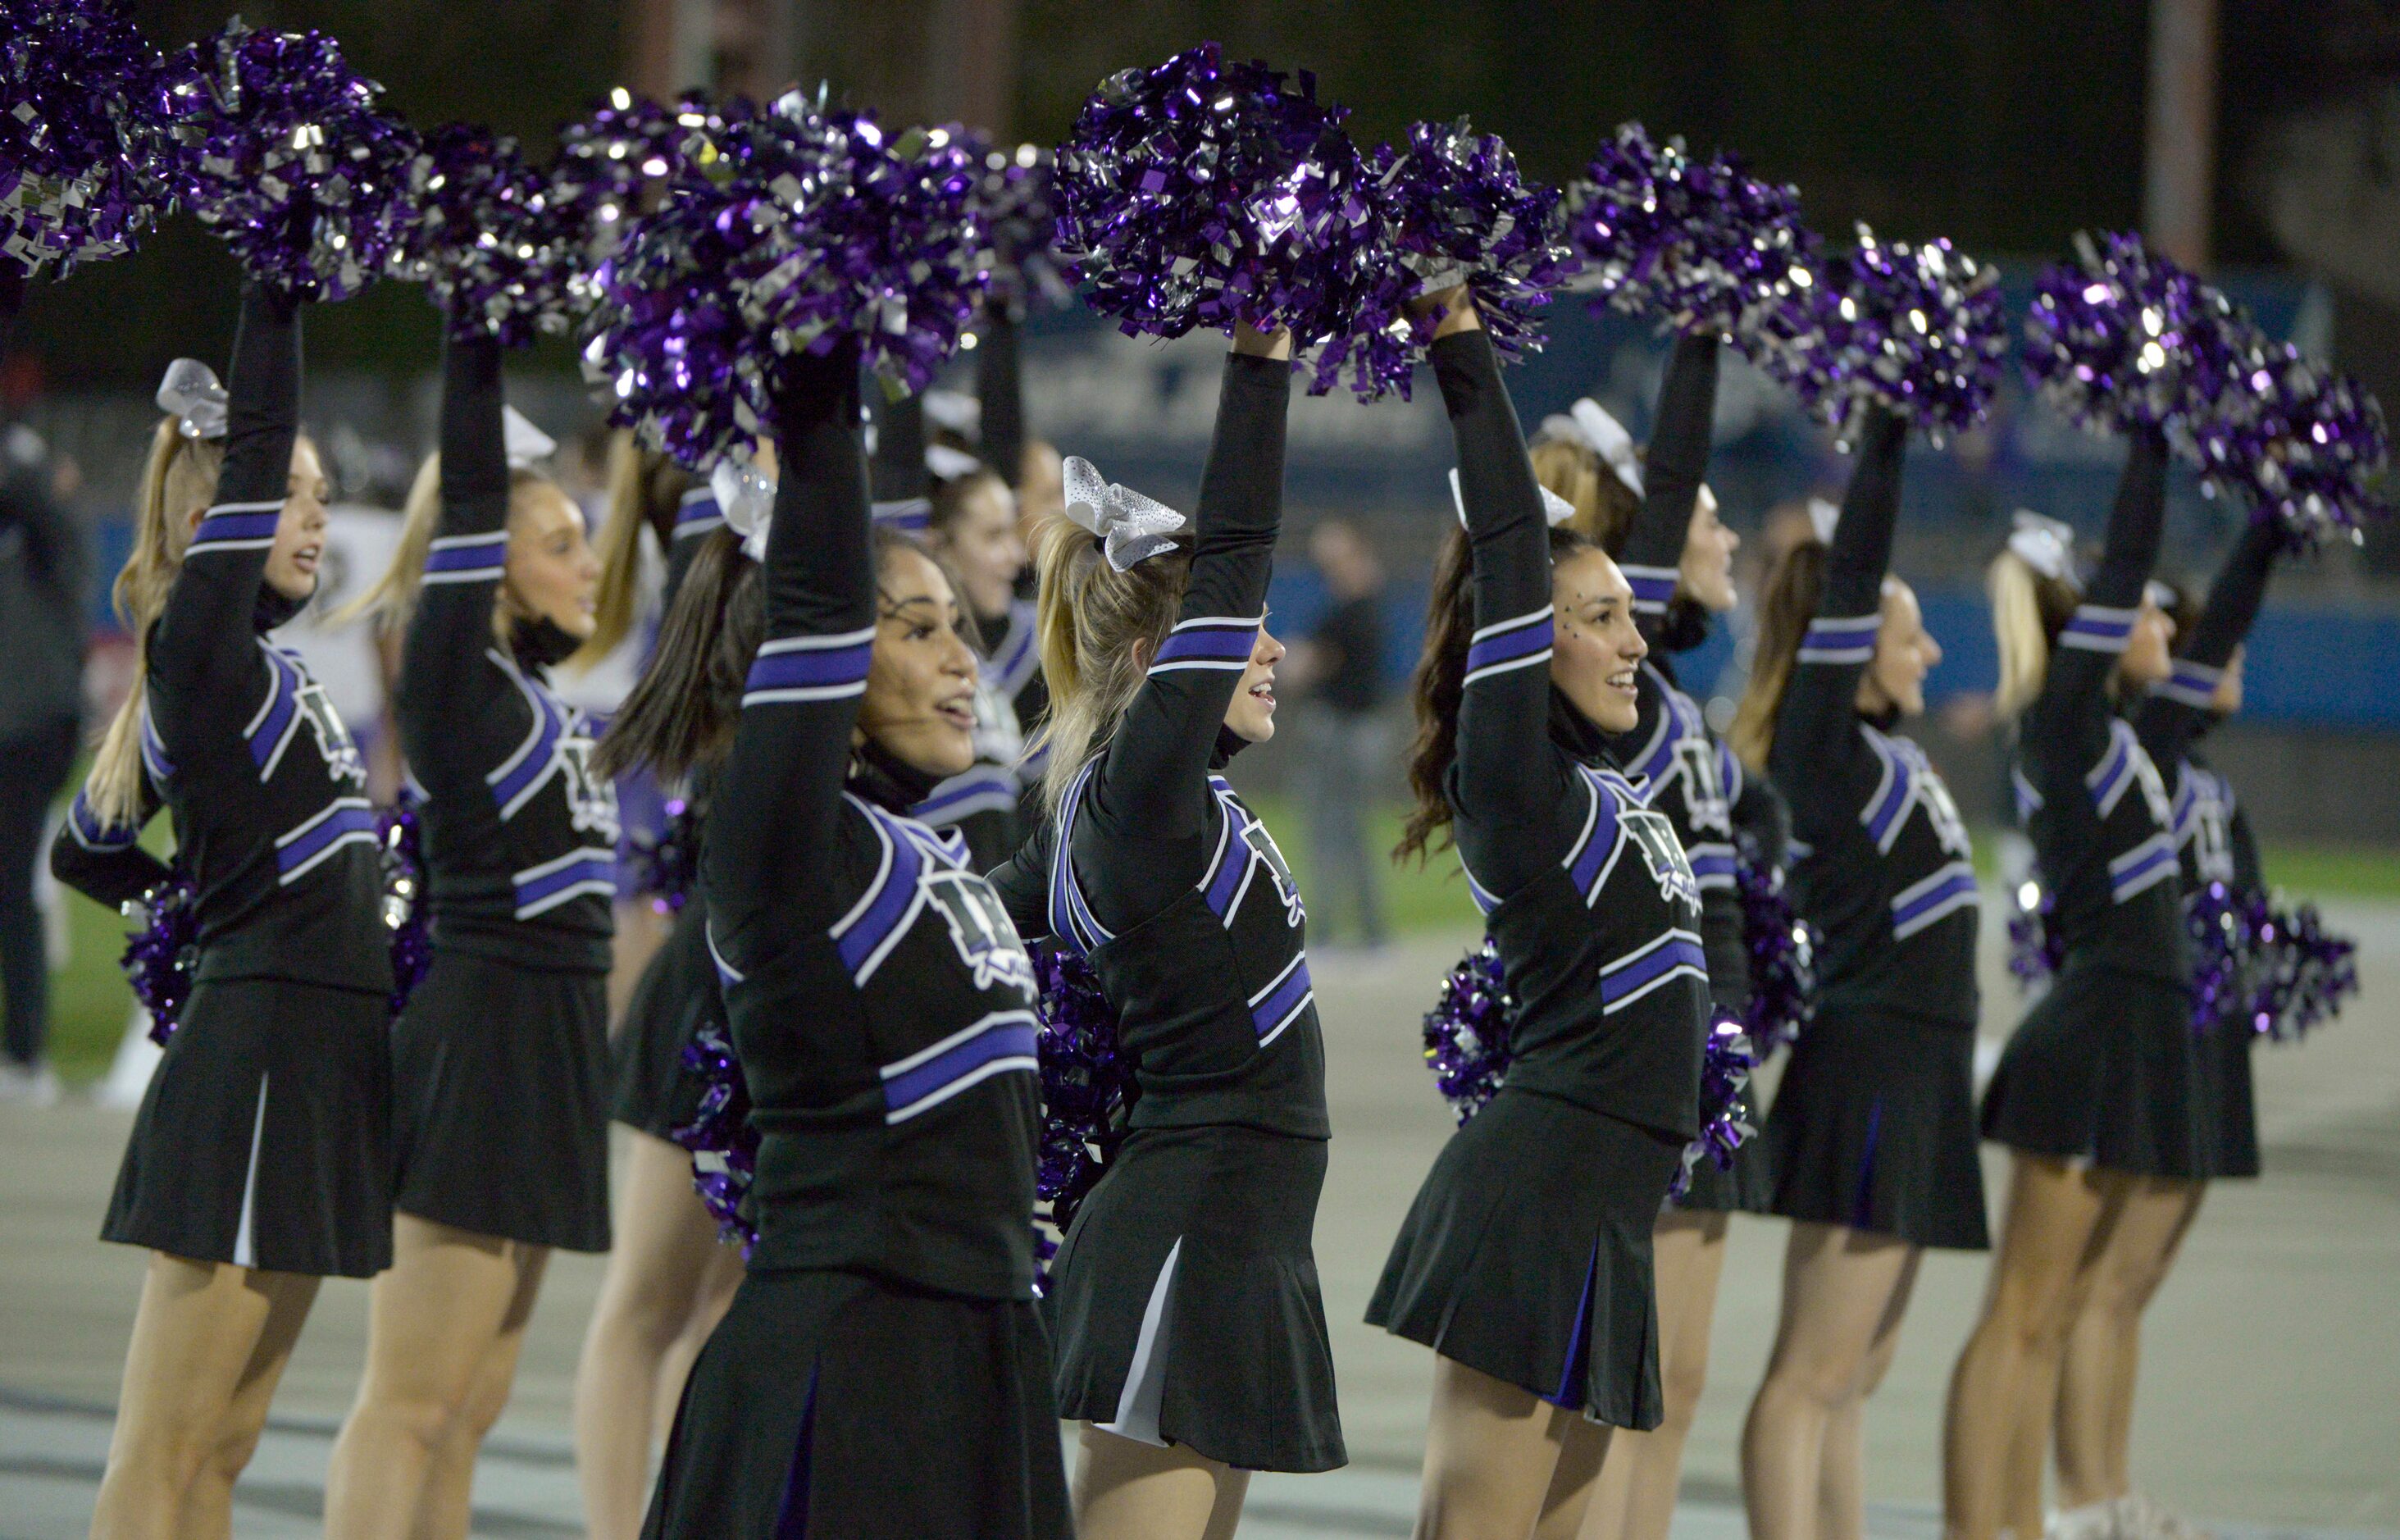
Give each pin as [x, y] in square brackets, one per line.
[2143, 1517]
[28, 1084]
[2091, 1522]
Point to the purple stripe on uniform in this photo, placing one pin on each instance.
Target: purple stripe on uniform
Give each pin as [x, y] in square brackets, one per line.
[284, 702]
[1653, 586]
[2113, 770]
[698, 511]
[1268, 1014]
[1895, 796]
[1209, 643]
[1625, 979]
[1227, 878]
[154, 753]
[2091, 629]
[1512, 645]
[341, 822]
[482, 556]
[857, 943]
[1002, 1039]
[1941, 893]
[1709, 863]
[221, 528]
[816, 668]
[1840, 641]
[1603, 844]
[1016, 656]
[2119, 882]
[535, 764]
[89, 829]
[974, 783]
[599, 868]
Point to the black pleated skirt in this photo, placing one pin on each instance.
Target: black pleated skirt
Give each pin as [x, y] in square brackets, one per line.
[2105, 1069]
[834, 1407]
[500, 1092]
[651, 1090]
[1184, 1300]
[1873, 1129]
[265, 1139]
[1527, 1255]
[2228, 1099]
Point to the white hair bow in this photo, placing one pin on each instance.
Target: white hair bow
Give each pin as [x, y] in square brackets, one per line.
[1825, 517]
[527, 443]
[745, 494]
[946, 464]
[1589, 424]
[2045, 544]
[1555, 508]
[956, 411]
[1131, 529]
[191, 395]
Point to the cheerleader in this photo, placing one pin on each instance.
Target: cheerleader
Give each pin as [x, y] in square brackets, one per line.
[1526, 1262]
[501, 1060]
[2095, 1092]
[1872, 1141]
[883, 1369]
[669, 1280]
[1191, 1338]
[260, 1160]
[2095, 1398]
[1679, 558]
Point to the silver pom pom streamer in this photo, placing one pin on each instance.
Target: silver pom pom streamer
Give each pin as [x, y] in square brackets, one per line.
[485, 240]
[75, 181]
[615, 161]
[1012, 199]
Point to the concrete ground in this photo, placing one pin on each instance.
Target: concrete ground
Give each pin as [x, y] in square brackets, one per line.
[2270, 1397]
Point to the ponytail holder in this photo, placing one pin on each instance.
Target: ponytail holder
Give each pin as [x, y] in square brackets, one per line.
[2045, 544]
[1130, 527]
[1825, 517]
[745, 494]
[527, 443]
[1589, 424]
[1556, 509]
[191, 395]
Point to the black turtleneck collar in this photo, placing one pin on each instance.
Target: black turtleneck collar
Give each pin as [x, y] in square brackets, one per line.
[886, 780]
[1577, 733]
[541, 642]
[1229, 743]
[272, 608]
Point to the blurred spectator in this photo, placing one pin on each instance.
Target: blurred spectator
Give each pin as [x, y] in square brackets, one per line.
[1339, 669]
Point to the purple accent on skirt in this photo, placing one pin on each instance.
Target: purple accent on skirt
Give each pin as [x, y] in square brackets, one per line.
[1861, 1212]
[1576, 1343]
[792, 1512]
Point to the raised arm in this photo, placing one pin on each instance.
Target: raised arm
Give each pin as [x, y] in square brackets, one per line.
[2072, 713]
[2179, 709]
[1153, 781]
[1671, 473]
[1000, 387]
[443, 673]
[899, 471]
[1818, 749]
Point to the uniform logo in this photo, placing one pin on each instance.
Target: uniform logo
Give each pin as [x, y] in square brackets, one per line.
[1948, 827]
[2212, 838]
[1665, 854]
[1262, 845]
[341, 755]
[1704, 797]
[981, 930]
[2154, 791]
[591, 800]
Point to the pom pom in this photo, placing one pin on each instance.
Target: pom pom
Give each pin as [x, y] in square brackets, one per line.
[1917, 330]
[76, 183]
[785, 233]
[1726, 1060]
[1450, 208]
[159, 959]
[724, 1147]
[666, 867]
[484, 237]
[1199, 194]
[2306, 443]
[275, 142]
[1782, 951]
[1467, 1033]
[400, 840]
[612, 159]
[2036, 946]
[1013, 197]
[1697, 244]
[2118, 340]
[1087, 1089]
[2303, 974]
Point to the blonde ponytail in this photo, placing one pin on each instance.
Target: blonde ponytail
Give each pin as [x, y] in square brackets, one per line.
[645, 491]
[2020, 626]
[1096, 629]
[1604, 506]
[394, 598]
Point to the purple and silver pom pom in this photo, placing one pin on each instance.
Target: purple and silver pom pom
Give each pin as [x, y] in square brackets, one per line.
[782, 234]
[485, 239]
[666, 868]
[1696, 243]
[2308, 444]
[406, 913]
[2036, 945]
[1726, 1060]
[1917, 330]
[724, 1147]
[613, 160]
[1085, 1086]
[277, 144]
[2120, 339]
[76, 179]
[1467, 1033]
[2303, 975]
[1012, 199]
[1783, 948]
[161, 958]
[1200, 194]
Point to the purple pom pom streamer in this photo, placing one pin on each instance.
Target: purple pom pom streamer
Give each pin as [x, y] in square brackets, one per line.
[1468, 1032]
[666, 867]
[1697, 244]
[614, 160]
[2036, 946]
[1013, 197]
[724, 1147]
[1086, 1087]
[484, 237]
[406, 912]
[1917, 330]
[75, 181]
[275, 142]
[1726, 1060]
[2303, 974]
[161, 958]
[2120, 340]
[1782, 953]
[785, 233]
[2306, 443]
[1200, 194]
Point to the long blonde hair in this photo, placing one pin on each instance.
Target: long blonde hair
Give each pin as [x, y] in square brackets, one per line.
[179, 478]
[394, 598]
[645, 491]
[2028, 611]
[1786, 610]
[1604, 506]
[1098, 630]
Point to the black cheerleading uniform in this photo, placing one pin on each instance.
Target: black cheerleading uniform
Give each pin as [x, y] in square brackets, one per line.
[1873, 1124]
[263, 1140]
[2212, 834]
[1683, 767]
[2104, 1069]
[883, 1370]
[1527, 1253]
[501, 1060]
[1185, 1295]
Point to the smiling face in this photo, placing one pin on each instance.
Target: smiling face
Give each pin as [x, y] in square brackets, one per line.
[1706, 572]
[552, 572]
[299, 545]
[1904, 653]
[1599, 649]
[2149, 652]
[1251, 716]
[920, 681]
[982, 544]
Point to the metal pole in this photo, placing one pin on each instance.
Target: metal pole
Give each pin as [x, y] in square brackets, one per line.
[2179, 182]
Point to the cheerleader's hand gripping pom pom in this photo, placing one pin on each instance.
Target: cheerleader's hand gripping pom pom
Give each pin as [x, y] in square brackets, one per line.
[1696, 244]
[782, 234]
[666, 866]
[1202, 194]
[1726, 1060]
[2036, 946]
[159, 959]
[1783, 949]
[485, 239]
[2303, 973]
[276, 143]
[1087, 1089]
[400, 840]
[1467, 1033]
[76, 183]
[724, 1147]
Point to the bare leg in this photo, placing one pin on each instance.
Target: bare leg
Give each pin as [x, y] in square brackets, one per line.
[2103, 1357]
[452, 1302]
[1841, 1476]
[203, 1357]
[1636, 1497]
[1492, 1452]
[719, 1282]
[2053, 1213]
[447, 1506]
[666, 1259]
[1127, 1490]
[1839, 1287]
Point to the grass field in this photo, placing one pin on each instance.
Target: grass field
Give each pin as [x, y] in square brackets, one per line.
[90, 1000]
